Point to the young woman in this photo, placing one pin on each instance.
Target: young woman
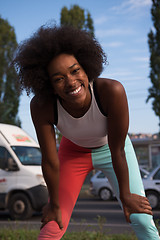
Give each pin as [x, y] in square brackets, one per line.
[58, 65]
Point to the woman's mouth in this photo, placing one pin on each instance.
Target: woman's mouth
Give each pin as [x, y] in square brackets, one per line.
[76, 91]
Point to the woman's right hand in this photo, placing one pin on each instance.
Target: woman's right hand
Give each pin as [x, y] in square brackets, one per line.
[51, 213]
[135, 204]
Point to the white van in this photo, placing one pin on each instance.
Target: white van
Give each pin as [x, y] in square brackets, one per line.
[22, 186]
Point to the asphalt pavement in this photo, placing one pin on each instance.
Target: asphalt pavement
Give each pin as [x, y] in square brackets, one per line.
[88, 214]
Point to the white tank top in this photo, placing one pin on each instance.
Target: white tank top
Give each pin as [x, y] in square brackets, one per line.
[88, 131]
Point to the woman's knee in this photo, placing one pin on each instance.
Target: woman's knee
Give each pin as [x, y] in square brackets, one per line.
[144, 226]
[143, 220]
[52, 231]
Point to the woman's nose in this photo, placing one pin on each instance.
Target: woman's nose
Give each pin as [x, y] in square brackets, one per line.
[70, 80]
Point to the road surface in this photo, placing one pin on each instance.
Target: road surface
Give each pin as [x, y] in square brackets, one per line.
[88, 214]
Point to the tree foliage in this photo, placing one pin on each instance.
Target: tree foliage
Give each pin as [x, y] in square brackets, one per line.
[9, 94]
[154, 46]
[78, 18]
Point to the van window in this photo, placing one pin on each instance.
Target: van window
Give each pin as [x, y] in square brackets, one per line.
[4, 156]
[28, 155]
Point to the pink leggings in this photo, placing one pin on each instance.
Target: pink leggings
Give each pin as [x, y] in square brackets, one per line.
[75, 163]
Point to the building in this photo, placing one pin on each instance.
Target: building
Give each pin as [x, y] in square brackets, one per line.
[147, 150]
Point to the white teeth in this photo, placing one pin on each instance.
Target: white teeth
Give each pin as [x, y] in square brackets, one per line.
[75, 91]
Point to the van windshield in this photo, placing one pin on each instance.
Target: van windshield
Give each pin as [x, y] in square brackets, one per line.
[28, 155]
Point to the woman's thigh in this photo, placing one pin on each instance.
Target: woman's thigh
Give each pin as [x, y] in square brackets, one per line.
[102, 160]
[75, 164]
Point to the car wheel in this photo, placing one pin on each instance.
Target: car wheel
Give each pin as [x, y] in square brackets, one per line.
[105, 194]
[20, 207]
[153, 199]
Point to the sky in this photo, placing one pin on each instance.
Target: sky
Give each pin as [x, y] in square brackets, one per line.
[121, 27]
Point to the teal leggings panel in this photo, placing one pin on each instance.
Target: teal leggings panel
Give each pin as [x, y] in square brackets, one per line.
[142, 224]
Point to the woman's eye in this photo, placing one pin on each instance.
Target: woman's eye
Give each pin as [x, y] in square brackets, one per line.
[58, 79]
[76, 70]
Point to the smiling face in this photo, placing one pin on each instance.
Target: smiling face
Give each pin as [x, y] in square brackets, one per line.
[69, 81]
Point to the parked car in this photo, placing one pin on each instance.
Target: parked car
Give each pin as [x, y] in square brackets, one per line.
[152, 187]
[100, 186]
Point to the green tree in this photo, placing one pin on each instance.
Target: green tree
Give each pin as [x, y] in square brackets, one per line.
[9, 93]
[154, 47]
[78, 18]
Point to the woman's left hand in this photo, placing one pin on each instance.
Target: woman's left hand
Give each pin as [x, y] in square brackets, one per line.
[50, 213]
[135, 204]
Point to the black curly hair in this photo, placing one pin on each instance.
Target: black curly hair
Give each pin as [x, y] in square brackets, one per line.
[34, 54]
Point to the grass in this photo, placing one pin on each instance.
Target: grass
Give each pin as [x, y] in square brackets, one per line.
[32, 234]
[25, 234]
[18, 234]
[97, 236]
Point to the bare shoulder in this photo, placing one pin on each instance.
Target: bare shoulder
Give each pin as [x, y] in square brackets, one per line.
[109, 86]
[42, 110]
[110, 92]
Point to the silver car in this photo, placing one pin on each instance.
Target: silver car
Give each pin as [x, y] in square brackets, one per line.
[100, 186]
[152, 187]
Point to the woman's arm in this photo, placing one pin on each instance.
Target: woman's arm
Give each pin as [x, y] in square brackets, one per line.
[43, 119]
[114, 101]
